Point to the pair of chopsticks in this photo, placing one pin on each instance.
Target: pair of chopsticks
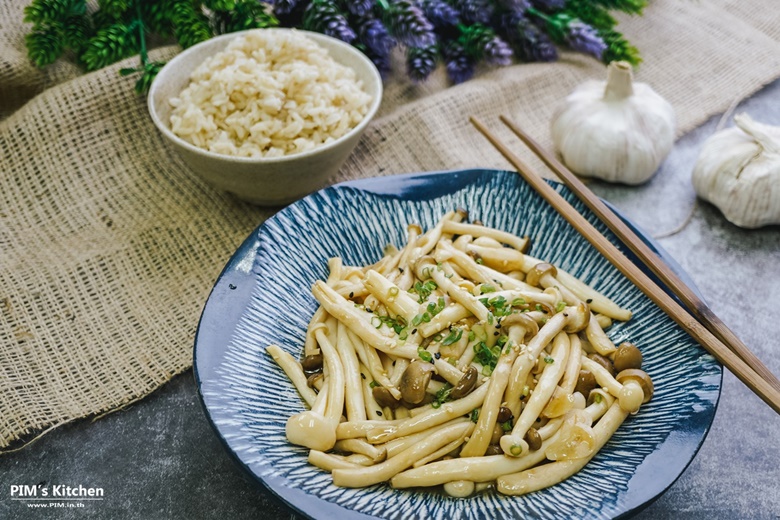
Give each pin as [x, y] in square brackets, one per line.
[702, 324]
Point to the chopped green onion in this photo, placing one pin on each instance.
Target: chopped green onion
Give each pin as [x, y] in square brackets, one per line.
[373, 384]
[507, 426]
[454, 335]
[424, 355]
[560, 306]
[474, 415]
[486, 288]
[549, 360]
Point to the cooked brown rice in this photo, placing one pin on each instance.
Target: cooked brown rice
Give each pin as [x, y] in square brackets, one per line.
[270, 93]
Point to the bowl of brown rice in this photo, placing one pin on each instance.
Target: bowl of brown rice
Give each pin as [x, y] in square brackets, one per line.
[267, 114]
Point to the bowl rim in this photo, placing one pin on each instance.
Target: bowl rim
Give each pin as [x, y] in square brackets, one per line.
[319, 38]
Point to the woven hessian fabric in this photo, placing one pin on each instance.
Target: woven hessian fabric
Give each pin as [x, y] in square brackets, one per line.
[109, 246]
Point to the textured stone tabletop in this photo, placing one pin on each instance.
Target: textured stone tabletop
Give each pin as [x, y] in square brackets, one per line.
[160, 459]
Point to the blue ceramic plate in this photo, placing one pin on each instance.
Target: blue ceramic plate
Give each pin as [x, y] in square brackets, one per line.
[263, 297]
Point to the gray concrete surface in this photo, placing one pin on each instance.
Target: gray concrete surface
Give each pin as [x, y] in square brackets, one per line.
[160, 459]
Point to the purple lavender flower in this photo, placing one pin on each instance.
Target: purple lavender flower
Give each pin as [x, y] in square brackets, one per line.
[497, 52]
[283, 7]
[420, 62]
[474, 11]
[531, 44]
[549, 5]
[440, 13]
[323, 16]
[374, 35]
[583, 38]
[409, 24]
[460, 68]
[382, 62]
[515, 5]
[481, 42]
[359, 7]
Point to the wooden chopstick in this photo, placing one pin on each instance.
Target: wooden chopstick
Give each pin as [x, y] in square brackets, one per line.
[704, 337]
[694, 304]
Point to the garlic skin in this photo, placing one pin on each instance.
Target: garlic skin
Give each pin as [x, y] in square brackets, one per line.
[614, 130]
[738, 170]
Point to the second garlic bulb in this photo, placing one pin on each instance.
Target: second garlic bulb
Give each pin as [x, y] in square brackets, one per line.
[617, 130]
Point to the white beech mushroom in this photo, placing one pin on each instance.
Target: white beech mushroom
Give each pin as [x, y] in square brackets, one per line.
[363, 477]
[513, 443]
[312, 429]
[548, 474]
[293, 369]
[457, 302]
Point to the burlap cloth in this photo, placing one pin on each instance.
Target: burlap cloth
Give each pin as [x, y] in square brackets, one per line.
[109, 246]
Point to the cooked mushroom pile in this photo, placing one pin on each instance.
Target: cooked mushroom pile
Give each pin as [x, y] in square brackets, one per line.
[460, 361]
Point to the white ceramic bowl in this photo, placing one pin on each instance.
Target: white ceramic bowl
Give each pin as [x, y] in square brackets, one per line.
[264, 181]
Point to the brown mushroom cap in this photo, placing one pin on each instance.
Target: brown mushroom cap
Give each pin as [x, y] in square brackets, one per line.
[522, 319]
[533, 439]
[579, 320]
[604, 362]
[641, 377]
[415, 380]
[538, 271]
[384, 398]
[466, 383]
[586, 382]
[494, 449]
[312, 363]
[627, 356]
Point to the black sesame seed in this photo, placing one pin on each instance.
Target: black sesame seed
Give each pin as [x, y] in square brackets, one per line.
[589, 300]
[565, 315]
[369, 310]
[496, 333]
[437, 355]
[414, 331]
[401, 269]
[362, 375]
[380, 414]
[351, 295]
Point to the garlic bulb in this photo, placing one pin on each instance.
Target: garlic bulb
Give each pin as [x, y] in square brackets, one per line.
[616, 130]
[738, 170]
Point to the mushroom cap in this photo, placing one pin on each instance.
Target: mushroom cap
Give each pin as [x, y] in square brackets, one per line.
[586, 382]
[416, 227]
[522, 319]
[604, 362]
[641, 377]
[466, 383]
[312, 430]
[384, 397]
[627, 356]
[577, 318]
[538, 271]
[414, 381]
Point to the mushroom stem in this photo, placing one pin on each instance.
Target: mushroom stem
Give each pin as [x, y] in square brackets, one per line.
[294, 372]
[390, 295]
[598, 338]
[434, 417]
[363, 477]
[459, 228]
[488, 414]
[549, 474]
[548, 381]
[346, 312]
[356, 408]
